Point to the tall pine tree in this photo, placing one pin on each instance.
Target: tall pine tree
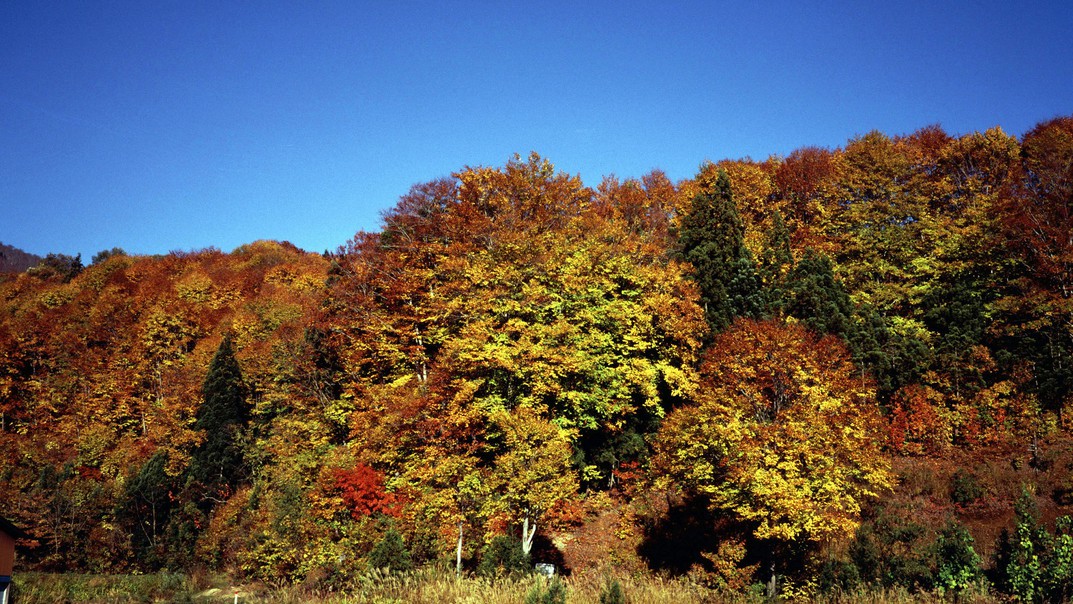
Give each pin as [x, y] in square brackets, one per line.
[218, 463]
[712, 239]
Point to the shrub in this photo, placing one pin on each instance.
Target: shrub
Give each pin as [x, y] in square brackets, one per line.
[838, 576]
[391, 553]
[958, 565]
[964, 489]
[552, 591]
[504, 556]
[893, 551]
[1058, 575]
[612, 593]
[1018, 563]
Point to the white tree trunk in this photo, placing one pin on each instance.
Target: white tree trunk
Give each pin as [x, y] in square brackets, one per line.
[527, 534]
[458, 552]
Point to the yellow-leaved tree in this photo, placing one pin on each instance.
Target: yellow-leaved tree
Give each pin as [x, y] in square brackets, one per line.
[532, 472]
[785, 435]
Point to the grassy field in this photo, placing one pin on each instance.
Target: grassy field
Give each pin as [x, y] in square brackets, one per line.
[421, 587]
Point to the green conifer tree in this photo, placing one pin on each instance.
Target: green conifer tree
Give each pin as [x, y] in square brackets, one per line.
[712, 239]
[218, 463]
[146, 505]
[776, 262]
[818, 299]
[390, 553]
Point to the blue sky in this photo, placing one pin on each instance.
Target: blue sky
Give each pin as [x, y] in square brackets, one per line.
[158, 126]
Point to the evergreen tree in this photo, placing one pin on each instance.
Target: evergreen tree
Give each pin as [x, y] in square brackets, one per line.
[503, 556]
[218, 463]
[819, 300]
[552, 591]
[712, 239]
[612, 593]
[776, 261]
[390, 553]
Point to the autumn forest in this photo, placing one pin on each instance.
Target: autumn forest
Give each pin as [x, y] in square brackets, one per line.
[837, 370]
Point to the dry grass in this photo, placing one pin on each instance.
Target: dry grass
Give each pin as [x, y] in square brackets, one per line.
[419, 587]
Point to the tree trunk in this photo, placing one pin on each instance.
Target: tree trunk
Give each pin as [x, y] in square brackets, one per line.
[527, 535]
[771, 583]
[458, 552]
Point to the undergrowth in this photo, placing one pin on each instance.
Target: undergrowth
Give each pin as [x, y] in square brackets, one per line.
[417, 587]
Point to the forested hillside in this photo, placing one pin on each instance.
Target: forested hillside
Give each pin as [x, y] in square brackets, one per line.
[834, 368]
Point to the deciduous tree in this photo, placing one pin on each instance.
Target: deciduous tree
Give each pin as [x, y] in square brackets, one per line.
[785, 435]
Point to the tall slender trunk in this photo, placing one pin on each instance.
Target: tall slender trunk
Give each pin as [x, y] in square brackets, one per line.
[771, 586]
[458, 552]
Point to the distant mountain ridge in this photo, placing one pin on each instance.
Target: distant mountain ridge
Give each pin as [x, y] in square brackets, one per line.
[14, 260]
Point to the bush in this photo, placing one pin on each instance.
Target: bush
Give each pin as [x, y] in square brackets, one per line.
[838, 576]
[391, 553]
[552, 591]
[1032, 564]
[504, 556]
[892, 551]
[958, 565]
[612, 593]
[964, 489]
[1058, 575]
[1018, 557]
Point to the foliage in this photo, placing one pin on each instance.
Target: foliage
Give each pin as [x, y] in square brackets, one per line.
[59, 266]
[148, 504]
[837, 576]
[532, 474]
[390, 553]
[784, 435]
[362, 490]
[218, 463]
[958, 565]
[1058, 575]
[1020, 562]
[612, 593]
[712, 239]
[1033, 564]
[503, 555]
[964, 488]
[104, 255]
[551, 591]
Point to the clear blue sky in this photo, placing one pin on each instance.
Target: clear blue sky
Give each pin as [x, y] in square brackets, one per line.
[160, 125]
